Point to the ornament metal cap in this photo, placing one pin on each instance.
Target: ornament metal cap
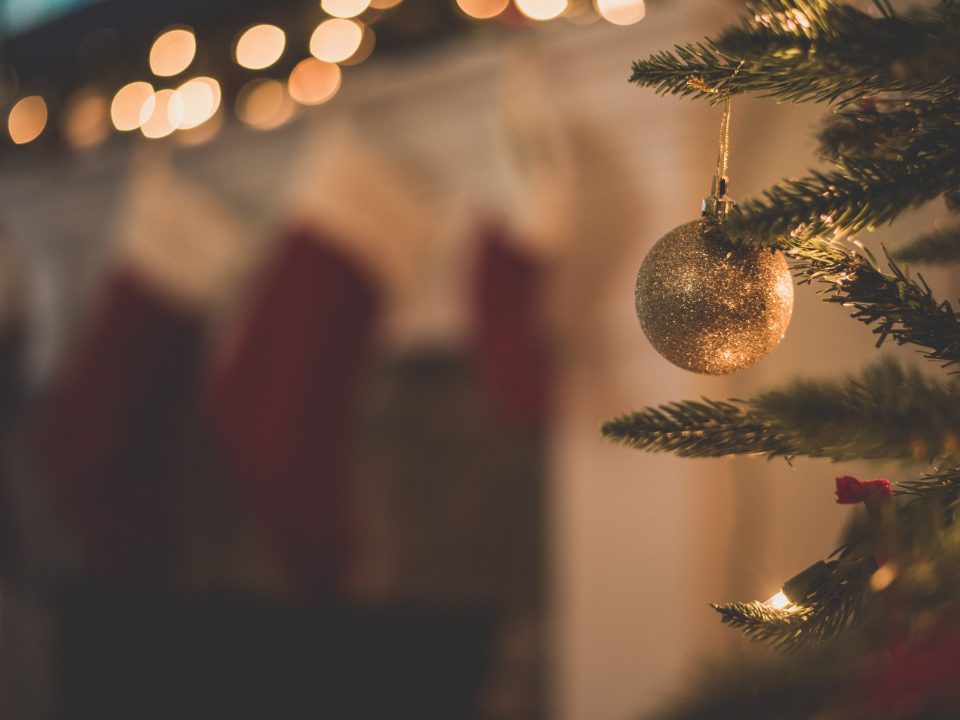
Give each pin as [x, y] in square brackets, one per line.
[717, 205]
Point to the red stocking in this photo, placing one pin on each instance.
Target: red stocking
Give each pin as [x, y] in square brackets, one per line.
[280, 409]
[108, 437]
[508, 335]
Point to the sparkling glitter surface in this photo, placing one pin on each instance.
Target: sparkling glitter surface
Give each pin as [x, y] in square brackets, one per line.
[710, 307]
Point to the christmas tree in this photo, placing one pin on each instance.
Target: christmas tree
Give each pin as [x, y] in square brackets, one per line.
[874, 629]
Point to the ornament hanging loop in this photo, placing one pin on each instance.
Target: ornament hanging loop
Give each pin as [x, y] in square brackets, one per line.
[718, 204]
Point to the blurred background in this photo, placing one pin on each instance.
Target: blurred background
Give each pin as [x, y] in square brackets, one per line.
[311, 313]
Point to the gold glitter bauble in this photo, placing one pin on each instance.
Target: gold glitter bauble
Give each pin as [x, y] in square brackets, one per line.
[711, 307]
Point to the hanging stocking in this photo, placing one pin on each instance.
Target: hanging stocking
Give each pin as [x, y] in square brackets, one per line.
[281, 407]
[507, 329]
[110, 434]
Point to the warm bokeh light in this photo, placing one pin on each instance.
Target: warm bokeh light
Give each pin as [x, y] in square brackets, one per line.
[580, 12]
[541, 9]
[483, 9]
[344, 8]
[201, 99]
[264, 104]
[87, 118]
[367, 43]
[260, 47]
[621, 12]
[162, 116]
[128, 104]
[172, 52]
[371, 16]
[335, 40]
[384, 4]
[27, 119]
[202, 134]
[883, 577]
[313, 82]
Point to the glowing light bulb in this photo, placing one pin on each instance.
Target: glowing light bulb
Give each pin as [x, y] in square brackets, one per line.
[335, 40]
[780, 601]
[27, 119]
[621, 12]
[172, 52]
[260, 47]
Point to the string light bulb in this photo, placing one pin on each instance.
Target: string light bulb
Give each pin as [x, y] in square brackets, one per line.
[779, 601]
[798, 588]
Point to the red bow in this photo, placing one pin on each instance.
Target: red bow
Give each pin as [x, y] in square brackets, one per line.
[851, 491]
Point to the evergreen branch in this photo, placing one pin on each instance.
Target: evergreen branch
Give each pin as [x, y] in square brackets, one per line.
[698, 70]
[833, 605]
[892, 129]
[896, 306]
[755, 686]
[763, 623]
[939, 247]
[841, 595]
[698, 429]
[888, 412]
[857, 195]
[945, 482]
[819, 51]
